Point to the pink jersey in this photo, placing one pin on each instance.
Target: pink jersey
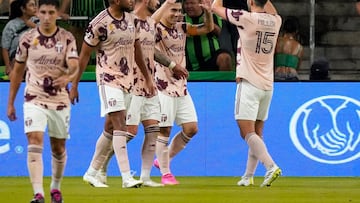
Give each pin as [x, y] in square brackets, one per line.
[258, 35]
[46, 58]
[171, 41]
[147, 41]
[114, 40]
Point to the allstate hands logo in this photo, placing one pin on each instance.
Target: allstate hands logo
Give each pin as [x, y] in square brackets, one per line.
[327, 129]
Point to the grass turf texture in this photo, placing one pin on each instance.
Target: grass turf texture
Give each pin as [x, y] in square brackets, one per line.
[194, 189]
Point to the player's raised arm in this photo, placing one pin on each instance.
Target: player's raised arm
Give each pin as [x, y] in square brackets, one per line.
[270, 8]
[165, 6]
[218, 8]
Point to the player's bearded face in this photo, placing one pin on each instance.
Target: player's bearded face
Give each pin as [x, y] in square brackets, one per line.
[127, 5]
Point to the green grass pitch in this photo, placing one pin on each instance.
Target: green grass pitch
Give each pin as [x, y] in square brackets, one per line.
[195, 189]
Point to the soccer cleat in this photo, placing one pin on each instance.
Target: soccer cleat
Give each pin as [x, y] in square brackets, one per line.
[131, 183]
[271, 175]
[102, 176]
[151, 183]
[93, 181]
[56, 196]
[246, 181]
[156, 164]
[38, 198]
[169, 179]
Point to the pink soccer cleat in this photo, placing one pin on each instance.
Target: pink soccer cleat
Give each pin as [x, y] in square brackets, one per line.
[169, 179]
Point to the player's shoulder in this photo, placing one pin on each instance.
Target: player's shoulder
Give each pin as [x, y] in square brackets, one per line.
[65, 33]
[30, 33]
[100, 18]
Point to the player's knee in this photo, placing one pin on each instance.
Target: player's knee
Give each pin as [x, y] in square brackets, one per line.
[132, 130]
[191, 131]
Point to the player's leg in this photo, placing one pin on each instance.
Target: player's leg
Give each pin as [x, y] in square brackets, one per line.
[252, 162]
[117, 115]
[35, 122]
[168, 109]
[247, 98]
[58, 127]
[102, 149]
[187, 118]
[150, 117]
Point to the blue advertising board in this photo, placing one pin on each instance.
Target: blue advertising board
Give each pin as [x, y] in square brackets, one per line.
[313, 130]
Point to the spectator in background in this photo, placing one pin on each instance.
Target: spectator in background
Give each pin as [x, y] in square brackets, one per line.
[320, 70]
[203, 52]
[89, 8]
[289, 51]
[229, 35]
[22, 13]
[358, 6]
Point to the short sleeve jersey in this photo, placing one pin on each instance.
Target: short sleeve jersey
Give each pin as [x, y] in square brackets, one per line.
[114, 40]
[147, 41]
[171, 41]
[46, 58]
[258, 35]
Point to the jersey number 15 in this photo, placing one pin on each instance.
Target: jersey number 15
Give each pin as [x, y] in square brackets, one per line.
[265, 42]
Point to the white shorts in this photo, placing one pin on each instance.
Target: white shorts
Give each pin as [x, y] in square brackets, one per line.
[251, 103]
[178, 109]
[143, 108]
[36, 119]
[112, 99]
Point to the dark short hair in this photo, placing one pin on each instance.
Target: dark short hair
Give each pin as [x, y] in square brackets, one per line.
[55, 3]
[320, 69]
[291, 25]
[15, 8]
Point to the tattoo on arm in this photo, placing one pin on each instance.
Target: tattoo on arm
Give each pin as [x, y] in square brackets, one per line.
[161, 58]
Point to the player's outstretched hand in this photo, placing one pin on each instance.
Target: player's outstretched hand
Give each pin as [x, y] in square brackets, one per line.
[11, 112]
[180, 72]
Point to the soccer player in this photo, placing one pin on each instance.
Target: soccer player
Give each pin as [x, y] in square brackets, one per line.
[258, 32]
[50, 55]
[114, 35]
[143, 108]
[175, 100]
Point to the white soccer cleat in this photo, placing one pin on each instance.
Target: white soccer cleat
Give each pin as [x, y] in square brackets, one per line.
[101, 176]
[93, 181]
[151, 183]
[271, 175]
[131, 183]
[246, 181]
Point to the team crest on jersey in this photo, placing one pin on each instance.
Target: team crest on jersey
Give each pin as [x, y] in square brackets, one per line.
[131, 27]
[163, 117]
[59, 47]
[28, 122]
[112, 102]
